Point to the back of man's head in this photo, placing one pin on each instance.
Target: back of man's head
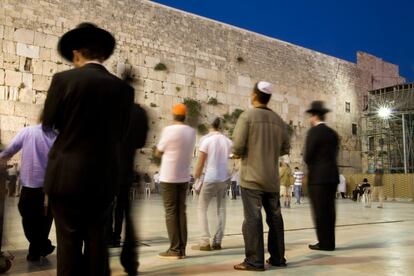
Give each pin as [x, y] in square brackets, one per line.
[216, 124]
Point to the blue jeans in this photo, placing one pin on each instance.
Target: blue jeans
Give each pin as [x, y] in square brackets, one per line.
[298, 192]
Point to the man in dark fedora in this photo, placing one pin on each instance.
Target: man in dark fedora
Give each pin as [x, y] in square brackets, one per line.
[90, 108]
[321, 151]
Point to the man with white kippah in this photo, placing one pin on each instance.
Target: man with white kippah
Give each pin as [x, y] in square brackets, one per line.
[259, 139]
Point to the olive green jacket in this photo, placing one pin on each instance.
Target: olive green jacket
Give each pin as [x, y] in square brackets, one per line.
[260, 138]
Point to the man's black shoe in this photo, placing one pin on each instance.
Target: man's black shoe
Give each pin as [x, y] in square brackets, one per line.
[245, 266]
[318, 247]
[49, 250]
[275, 263]
[33, 258]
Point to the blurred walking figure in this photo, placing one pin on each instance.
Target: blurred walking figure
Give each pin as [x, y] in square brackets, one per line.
[342, 185]
[91, 109]
[297, 186]
[285, 183]
[213, 158]
[378, 187]
[259, 139]
[35, 143]
[234, 183]
[176, 148]
[321, 152]
[156, 179]
[12, 177]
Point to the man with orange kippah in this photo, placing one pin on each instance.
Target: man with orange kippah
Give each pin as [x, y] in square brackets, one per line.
[175, 148]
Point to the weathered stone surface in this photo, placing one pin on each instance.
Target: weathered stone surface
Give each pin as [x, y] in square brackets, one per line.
[201, 60]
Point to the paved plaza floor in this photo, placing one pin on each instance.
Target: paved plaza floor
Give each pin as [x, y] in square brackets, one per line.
[370, 241]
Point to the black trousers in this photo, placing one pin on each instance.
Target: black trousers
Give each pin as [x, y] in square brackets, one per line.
[174, 197]
[12, 185]
[129, 253]
[117, 216]
[233, 189]
[253, 201]
[36, 220]
[81, 237]
[322, 198]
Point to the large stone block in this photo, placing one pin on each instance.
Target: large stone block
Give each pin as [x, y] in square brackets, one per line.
[6, 107]
[44, 53]
[41, 83]
[9, 47]
[1, 76]
[40, 39]
[13, 78]
[3, 92]
[12, 123]
[10, 61]
[27, 50]
[28, 80]
[49, 68]
[27, 96]
[24, 36]
[27, 110]
[245, 81]
[8, 33]
[51, 41]
[37, 65]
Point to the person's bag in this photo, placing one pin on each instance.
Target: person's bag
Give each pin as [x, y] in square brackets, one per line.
[198, 185]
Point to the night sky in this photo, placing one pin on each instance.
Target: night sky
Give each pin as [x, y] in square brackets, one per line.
[338, 28]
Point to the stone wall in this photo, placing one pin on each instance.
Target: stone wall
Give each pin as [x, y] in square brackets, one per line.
[204, 59]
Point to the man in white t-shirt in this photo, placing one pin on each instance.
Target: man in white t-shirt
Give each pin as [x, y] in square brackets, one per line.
[215, 150]
[298, 176]
[176, 147]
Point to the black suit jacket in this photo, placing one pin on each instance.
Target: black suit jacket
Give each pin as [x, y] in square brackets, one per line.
[91, 110]
[321, 152]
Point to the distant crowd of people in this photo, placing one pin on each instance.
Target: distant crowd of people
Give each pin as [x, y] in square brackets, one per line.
[77, 169]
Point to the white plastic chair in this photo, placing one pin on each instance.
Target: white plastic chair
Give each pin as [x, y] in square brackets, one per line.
[366, 198]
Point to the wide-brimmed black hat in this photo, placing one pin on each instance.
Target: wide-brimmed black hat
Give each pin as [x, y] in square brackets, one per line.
[318, 107]
[89, 36]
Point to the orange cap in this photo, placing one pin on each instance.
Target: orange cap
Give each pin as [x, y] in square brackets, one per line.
[179, 109]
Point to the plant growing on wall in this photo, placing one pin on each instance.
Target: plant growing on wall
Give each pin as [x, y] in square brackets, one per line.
[193, 111]
[202, 129]
[160, 67]
[230, 120]
[212, 101]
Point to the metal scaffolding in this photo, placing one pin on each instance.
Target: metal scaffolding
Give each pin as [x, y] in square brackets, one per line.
[388, 129]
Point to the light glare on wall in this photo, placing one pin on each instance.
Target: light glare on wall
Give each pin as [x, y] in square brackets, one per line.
[384, 112]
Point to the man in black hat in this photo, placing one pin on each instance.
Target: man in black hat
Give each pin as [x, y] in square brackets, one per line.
[321, 151]
[90, 108]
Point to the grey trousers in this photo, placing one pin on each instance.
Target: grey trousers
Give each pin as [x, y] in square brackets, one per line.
[208, 191]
